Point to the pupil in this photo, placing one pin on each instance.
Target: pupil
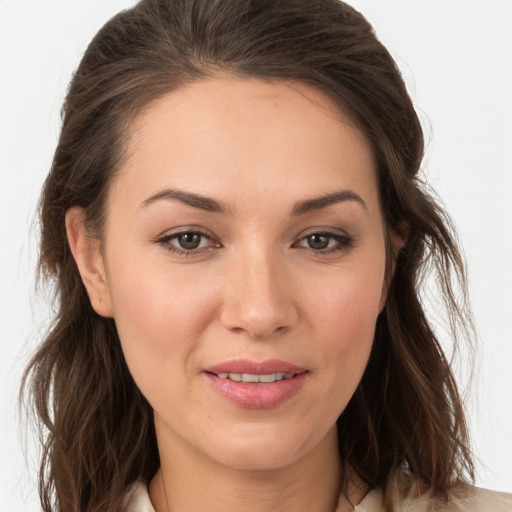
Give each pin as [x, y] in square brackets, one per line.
[318, 241]
[189, 241]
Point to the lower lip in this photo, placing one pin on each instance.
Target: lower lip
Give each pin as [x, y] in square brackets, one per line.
[257, 395]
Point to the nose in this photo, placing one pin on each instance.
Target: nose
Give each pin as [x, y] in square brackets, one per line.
[258, 296]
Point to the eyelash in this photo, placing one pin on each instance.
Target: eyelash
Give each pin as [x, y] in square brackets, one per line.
[344, 242]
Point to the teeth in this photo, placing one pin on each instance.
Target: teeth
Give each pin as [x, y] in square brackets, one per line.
[249, 377]
[269, 378]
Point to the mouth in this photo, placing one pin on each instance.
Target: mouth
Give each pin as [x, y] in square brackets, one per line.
[257, 385]
[251, 372]
[252, 378]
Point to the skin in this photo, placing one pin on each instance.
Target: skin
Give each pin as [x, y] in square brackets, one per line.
[253, 289]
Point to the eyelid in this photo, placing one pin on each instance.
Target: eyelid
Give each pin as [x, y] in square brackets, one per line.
[169, 233]
[316, 230]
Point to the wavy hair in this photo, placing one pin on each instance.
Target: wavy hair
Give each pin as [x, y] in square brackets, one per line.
[96, 428]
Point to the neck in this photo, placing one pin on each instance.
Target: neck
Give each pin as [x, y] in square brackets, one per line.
[189, 481]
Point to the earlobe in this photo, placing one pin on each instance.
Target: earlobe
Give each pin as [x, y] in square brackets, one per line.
[89, 260]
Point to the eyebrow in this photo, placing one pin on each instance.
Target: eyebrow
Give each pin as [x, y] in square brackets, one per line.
[214, 206]
[326, 200]
[189, 198]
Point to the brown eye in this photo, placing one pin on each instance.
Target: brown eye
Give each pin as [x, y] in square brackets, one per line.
[325, 242]
[189, 241]
[318, 241]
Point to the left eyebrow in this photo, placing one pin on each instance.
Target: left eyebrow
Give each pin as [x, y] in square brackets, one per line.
[326, 200]
[189, 198]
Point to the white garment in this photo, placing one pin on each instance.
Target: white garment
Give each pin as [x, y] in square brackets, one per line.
[471, 499]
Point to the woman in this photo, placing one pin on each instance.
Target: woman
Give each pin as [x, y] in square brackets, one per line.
[236, 228]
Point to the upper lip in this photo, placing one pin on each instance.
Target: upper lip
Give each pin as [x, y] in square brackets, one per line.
[254, 367]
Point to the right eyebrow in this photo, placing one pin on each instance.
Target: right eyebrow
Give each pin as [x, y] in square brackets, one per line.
[189, 198]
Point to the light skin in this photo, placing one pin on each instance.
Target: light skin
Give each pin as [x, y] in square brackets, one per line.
[244, 223]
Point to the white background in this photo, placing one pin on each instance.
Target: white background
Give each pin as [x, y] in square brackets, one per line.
[456, 56]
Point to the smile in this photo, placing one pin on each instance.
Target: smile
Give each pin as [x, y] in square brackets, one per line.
[253, 378]
[256, 385]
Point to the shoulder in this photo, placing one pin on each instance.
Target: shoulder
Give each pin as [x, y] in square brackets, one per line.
[473, 499]
[137, 499]
[462, 498]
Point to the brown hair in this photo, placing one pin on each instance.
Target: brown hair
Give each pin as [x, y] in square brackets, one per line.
[97, 429]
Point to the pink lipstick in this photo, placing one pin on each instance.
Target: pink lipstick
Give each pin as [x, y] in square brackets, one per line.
[256, 385]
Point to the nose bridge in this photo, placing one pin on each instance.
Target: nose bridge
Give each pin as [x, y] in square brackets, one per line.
[258, 299]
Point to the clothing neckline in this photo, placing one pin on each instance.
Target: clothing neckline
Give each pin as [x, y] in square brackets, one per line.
[137, 499]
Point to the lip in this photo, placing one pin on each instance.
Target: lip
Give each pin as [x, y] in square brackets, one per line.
[256, 395]
[254, 367]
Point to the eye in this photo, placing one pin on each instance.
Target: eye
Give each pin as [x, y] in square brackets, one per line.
[325, 242]
[187, 242]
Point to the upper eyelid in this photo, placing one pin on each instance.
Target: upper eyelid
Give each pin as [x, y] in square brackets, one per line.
[323, 231]
[187, 229]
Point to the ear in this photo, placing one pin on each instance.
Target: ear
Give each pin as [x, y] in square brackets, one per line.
[89, 260]
[397, 239]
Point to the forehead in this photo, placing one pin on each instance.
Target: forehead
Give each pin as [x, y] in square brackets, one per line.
[244, 137]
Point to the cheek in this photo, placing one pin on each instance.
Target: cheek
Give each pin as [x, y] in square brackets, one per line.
[344, 317]
[350, 300]
[159, 316]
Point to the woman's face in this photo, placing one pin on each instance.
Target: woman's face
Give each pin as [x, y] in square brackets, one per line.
[244, 240]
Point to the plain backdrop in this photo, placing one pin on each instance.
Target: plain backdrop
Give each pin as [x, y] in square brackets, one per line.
[456, 57]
